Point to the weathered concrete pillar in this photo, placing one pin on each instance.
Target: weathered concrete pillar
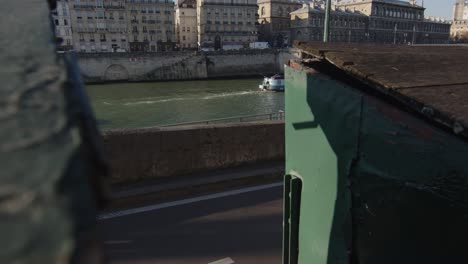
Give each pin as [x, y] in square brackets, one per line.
[48, 145]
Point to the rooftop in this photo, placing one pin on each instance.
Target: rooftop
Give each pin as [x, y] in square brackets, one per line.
[393, 2]
[431, 80]
[307, 8]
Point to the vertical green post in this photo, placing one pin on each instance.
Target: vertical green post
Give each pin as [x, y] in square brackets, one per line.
[326, 32]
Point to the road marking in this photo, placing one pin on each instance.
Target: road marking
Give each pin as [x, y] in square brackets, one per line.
[185, 201]
[117, 242]
[223, 261]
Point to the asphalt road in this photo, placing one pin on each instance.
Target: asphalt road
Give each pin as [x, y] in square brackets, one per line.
[242, 226]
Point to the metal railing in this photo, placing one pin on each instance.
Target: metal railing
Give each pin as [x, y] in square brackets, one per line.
[275, 116]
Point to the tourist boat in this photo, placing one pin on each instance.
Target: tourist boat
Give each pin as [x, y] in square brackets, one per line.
[274, 83]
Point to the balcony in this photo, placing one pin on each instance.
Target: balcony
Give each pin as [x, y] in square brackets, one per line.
[134, 21]
[114, 7]
[80, 6]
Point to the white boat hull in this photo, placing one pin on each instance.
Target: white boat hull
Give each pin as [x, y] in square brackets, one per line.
[272, 84]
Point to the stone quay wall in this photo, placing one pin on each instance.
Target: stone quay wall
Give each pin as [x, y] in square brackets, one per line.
[167, 66]
[161, 153]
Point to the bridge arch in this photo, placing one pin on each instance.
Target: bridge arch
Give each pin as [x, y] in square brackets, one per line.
[116, 72]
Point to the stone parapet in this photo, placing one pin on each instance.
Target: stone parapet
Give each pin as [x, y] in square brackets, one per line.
[157, 153]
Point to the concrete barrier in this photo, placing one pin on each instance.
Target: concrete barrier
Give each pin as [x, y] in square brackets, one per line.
[156, 153]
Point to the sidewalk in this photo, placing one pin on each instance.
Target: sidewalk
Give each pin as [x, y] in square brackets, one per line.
[124, 196]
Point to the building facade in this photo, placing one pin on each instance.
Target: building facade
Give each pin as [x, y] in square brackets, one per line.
[274, 21]
[345, 26]
[99, 25]
[62, 21]
[376, 21]
[151, 25]
[225, 24]
[186, 24]
[460, 10]
[459, 30]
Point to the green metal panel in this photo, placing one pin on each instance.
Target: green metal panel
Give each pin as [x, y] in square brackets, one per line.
[410, 188]
[321, 144]
[379, 185]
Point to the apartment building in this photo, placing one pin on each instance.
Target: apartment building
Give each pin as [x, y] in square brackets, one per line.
[186, 24]
[226, 24]
[151, 25]
[99, 25]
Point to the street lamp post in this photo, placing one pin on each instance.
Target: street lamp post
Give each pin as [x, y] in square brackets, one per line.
[326, 30]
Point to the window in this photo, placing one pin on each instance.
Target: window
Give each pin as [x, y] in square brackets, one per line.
[81, 36]
[65, 22]
[56, 22]
[103, 37]
[183, 37]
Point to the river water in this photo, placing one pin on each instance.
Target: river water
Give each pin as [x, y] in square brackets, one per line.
[130, 105]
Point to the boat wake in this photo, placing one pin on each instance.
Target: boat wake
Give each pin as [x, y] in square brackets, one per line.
[156, 101]
[214, 96]
[228, 94]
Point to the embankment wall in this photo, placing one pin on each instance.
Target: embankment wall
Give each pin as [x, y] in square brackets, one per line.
[167, 66]
[156, 153]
